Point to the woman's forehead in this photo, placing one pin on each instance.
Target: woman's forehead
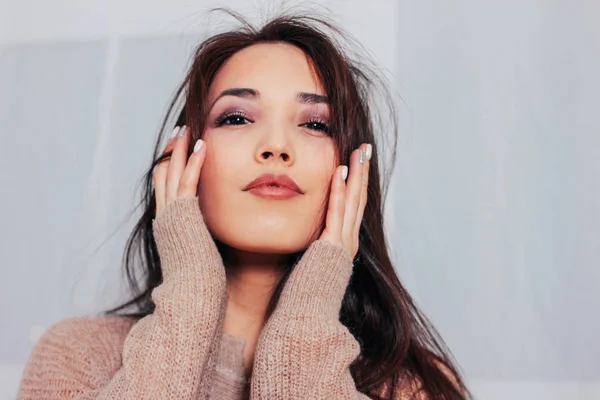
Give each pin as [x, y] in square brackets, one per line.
[275, 70]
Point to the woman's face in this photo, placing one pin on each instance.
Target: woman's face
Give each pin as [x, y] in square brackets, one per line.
[276, 125]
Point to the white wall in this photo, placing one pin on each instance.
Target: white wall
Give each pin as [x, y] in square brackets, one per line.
[494, 211]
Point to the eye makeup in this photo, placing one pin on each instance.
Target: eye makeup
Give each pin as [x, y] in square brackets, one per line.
[232, 117]
[317, 124]
[314, 119]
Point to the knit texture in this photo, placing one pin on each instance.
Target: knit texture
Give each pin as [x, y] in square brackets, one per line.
[180, 351]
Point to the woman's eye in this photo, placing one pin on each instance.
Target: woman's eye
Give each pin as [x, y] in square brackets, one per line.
[317, 126]
[232, 120]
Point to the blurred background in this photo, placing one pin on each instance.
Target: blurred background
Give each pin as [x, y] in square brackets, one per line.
[493, 213]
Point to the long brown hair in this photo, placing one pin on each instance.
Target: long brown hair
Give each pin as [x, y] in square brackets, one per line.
[396, 340]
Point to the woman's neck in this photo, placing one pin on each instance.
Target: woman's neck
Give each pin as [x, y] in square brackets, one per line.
[251, 280]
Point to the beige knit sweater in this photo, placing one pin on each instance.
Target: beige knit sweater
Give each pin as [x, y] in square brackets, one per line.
[180, 351]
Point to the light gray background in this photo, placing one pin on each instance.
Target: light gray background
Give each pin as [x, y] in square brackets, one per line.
[494, 210]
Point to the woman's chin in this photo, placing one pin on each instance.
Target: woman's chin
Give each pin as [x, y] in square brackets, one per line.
[260, 233]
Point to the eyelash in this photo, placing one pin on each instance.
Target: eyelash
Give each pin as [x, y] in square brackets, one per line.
[230, 114]
[322, 125]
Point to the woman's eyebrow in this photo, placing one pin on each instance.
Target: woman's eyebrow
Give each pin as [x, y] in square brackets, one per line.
[311, 98]
[247, 93]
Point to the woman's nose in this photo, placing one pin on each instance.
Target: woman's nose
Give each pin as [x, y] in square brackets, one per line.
[276, 146]
[268, 155]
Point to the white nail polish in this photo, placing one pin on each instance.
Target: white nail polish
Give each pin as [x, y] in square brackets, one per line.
[361, 156]
[175, 132]
[344, 172]
[182, 131]
[198, 145]
[369, 151]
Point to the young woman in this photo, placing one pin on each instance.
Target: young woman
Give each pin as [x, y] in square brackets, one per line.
[262, 243]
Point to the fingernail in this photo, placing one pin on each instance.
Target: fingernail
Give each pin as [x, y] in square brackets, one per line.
[369, 151]
[182, 131]
[175, 131]
[344, 172]
[361, 157]
[198, 145]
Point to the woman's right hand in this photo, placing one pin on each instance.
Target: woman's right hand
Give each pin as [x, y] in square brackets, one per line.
[182, 238]
[178, 176]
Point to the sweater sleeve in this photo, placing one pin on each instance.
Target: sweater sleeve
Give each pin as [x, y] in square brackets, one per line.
[304, 351]
[169, 354]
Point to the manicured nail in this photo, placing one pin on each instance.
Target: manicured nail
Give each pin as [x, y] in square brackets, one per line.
[175, 132]
[182, 131]
[198, 145]
[361, 157]
[344, 172]
[369, 151]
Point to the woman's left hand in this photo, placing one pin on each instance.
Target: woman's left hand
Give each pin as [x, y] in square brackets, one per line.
[347, 201]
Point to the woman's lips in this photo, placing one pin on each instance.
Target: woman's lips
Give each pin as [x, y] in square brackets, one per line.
[273, 192]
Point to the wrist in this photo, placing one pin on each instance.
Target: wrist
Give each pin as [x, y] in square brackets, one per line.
[317, 285]
[183, 240]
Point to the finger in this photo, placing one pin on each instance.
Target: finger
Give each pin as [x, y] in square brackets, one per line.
[363, 191]
[177, 164]
[353, 194]
[335, 209]
[188, 184]
[159, 175]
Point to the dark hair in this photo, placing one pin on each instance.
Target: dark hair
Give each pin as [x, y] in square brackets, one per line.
[398, 344]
